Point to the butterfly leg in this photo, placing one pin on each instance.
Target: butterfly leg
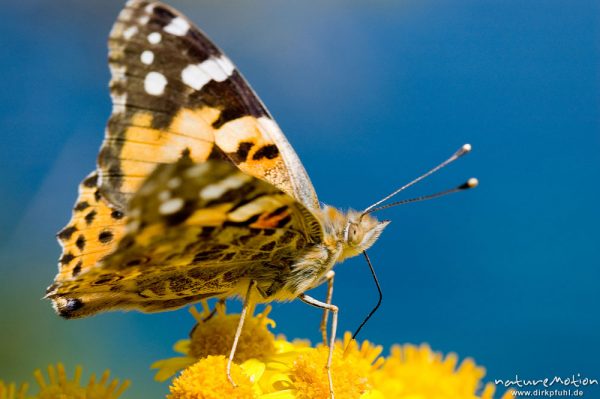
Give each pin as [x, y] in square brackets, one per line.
[238, 331]
[334, 319]
[329, 278]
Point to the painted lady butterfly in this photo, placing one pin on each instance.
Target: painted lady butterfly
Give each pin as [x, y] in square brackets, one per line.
[197, 193]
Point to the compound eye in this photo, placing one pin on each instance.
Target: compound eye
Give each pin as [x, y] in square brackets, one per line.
[353, 234]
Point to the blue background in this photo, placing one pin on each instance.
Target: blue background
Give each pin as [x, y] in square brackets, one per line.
[370, 94]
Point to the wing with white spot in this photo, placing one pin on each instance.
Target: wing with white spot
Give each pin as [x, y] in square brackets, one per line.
[174, 90]
[195, 231]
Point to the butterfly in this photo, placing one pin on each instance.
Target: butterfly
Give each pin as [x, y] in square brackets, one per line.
[197, 193]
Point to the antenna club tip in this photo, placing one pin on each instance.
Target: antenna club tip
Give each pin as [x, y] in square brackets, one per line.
[472, 182]
[466, 148]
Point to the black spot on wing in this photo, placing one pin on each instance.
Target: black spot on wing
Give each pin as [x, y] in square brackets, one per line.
[105, 236]
[66, 233]
[241, 155]
[117, 215]
[91, 181]
[66, 258]
[286, 238]
[89, 218]
[277, 211]
[81, 206]
[269, 151]
[80, 242]
[284, 221]
[268, 247]
[77, 269]
[163, 14]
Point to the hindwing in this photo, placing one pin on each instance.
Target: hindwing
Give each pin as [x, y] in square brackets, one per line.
[195, 231]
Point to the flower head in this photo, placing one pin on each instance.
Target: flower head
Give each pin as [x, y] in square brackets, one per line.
[10, 391]
[419, 373]
[281, 369]
[206, 379]
[60, 387]
[298, 371]
[213, 335]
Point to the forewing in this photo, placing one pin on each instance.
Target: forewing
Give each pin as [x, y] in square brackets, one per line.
[174, 90]
[195, 231]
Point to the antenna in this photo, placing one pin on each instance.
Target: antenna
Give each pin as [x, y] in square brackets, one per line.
[459, 153]
[471, 183]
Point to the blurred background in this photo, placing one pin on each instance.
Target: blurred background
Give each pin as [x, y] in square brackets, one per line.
[370, 94]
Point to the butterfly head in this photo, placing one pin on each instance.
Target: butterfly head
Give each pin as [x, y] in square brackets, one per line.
[360, 233]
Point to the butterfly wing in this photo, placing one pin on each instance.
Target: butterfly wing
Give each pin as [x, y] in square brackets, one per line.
[91, 234]
[209, 110]
[173, 89]
[195, 231]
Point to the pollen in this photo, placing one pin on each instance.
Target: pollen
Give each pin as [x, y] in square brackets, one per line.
[309, 376]
[207, 380]
[418, 372]
[215, 335]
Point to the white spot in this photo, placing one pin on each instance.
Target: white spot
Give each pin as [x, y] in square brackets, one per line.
[147, 57]
[197, 75]
[194, 77]
[255, 207]
[130, 32]
[174, 183]
[155, 83]
[119, 102]
[143, 20]
[164, 195]
[226, 64]
[133, 225]
[177, 27]
[197, 170]
[117, 71]
[149, 8]
[216, 190]
[135, 213]
[154, 38]
[171, 206]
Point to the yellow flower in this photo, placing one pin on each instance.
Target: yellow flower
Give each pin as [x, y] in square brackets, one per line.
[10, 391]
[299, 371]
[60, 387]
[412, 372]
[280, 369]
[213, 336]
[207, 380]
